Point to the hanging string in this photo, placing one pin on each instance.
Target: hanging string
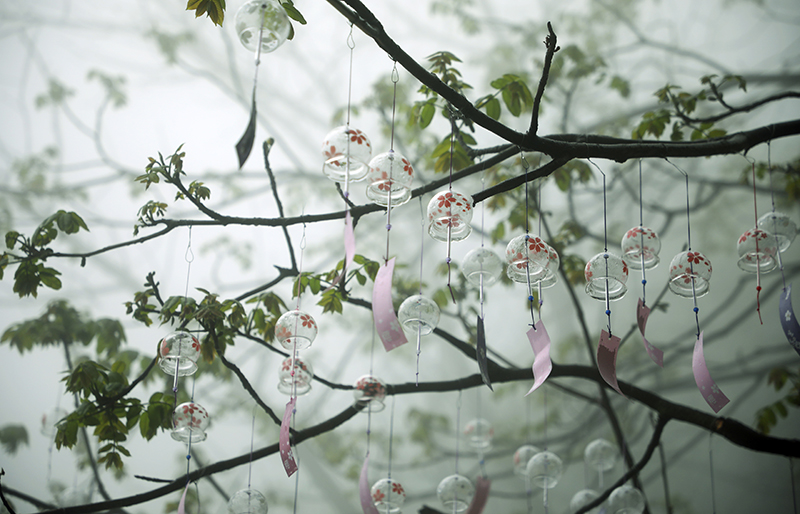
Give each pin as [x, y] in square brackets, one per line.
[296, 483]
[391, 437]
[458, 426]
[758, 254]
[772, 194]
[450, 220]
[252, 437]
[641, 235]
[527, 237]
[545, 489]
[351, 44]
[421, 255]
[395, 79]
[189, 258]
[539, 233]
[605, 245]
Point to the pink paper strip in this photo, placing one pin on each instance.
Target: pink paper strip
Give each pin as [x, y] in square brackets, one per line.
[482, 486]
[542, 365]
[788, 320]
[349, 241]
[386, 323]
[182, 503]
[708, 388]
[363, 489]
[287, 457]
[642, 313]
[607, 359]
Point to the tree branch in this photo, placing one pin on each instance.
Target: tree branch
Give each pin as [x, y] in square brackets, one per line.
[550, 42]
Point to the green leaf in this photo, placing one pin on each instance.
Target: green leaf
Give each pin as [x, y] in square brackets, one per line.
[292, 12]
[11, 239]
[12, 437]
[426, 114]
[621, 85]
[493, 108]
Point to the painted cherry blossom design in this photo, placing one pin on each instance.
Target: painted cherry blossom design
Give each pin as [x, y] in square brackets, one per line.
[640, 245]
[179, 352]
[346, 152]
[390, 176]
[449, 216]
[757, 251]
[295, 330]
[689, 274]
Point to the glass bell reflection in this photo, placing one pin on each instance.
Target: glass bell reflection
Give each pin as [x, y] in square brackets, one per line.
[779, 225]
[449, 215]
[388, 496]
[545, 469]
[527, 255]
[255, 15]
[189, 423]
[582, 498]
[640, 245]
[758, 251]
[418, 314]
[371, 392]
[179, 352]
[295, 330]
[481, 265]
[600, 455]
[522, 456]
[625, 500]
[248, 501]
[606, 270]
[455, 492]
[390, 175]
[300, 383]
[479, 434]
[347, 153]
[687, 268]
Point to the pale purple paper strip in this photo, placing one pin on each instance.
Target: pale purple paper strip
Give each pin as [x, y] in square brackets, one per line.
[788, 320]
[349, 241]
[482, 486]
[287, 456]
[182, 503]
[363, 489]
[708, 388]
[542, 365]
[480, 354]
[607, 359]
[642, 313]
[386, 323]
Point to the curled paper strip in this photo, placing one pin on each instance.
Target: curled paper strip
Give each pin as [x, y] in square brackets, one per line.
[363, 489]
[245, 144]
[642, 313]
[482, 486]
[386, 323]
[708, 388]
[287, 456]
[480, 351]
[542, 365]
[607, 359]
[788, 320]
[182, 503]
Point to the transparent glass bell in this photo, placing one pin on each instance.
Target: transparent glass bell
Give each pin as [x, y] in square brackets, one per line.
[388, 496]
[581, 499]
[370, 391]
[300, 382]
[390, 175]
[255, 15]
[189, 422]
[600, 455]
[641, 245]
[522, 456]
[347, 152]
[687, 267]
[625, 499]
[606, 271]
[418, 314]
[545, 469]
[295, 330]
[525, 255]
[248, 501]
[479, 434]
[179, 352]
[449, 215]
[758, 251]
[779, 225]
[455, 492]
[481, 264]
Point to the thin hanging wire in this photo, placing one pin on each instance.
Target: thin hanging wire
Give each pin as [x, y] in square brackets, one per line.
[458, 426]
[641, 235]
[252, 437]
[421, 256]
[351, 44]
[758, 254]
[450, 220]
[391, 438]
[605, 245]
[395, 79]
[527, 237]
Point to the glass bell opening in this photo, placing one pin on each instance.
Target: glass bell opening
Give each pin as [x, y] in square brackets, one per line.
[189, 423]
[179, 352]
[640, 246]
[390, 177]
[347, 152]
[689, 268]
[606, 272]
[758, 251]
[257, 15]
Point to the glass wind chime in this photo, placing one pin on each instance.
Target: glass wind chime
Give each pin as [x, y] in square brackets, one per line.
[248, 500]
[456, 491]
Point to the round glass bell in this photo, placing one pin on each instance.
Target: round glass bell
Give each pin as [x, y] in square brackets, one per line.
[522, 456]
[189, 423]
[544, 469]
[600, 455]
[779, 225]
[449, 214]
[526, 255]
[686, 268]
[479, 434]
[295, 330]
[551, 268]
[606, 272]
[257, 15]
[179, 352]
[248, 501]
[371, 392]
[625, 499]
[581, 499]
[390, 175]
[347, 152]
[300, 383]
[418, 314]
[388, 496]
[640, 245]
[758, 251]
[481, 265]
[455, 492]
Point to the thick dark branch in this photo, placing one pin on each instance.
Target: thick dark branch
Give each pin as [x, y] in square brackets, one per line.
[551, 43]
